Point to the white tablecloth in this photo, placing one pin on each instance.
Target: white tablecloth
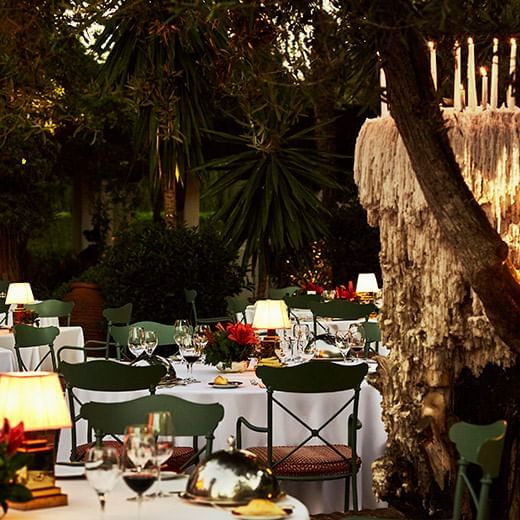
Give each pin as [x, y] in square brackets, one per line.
[71, 336]
[7, 360]
[44, 322]
[250, 401]
[84, 505]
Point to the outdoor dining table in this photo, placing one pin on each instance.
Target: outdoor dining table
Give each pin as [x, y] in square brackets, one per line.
[84, 505]
[7, 360]
[249, 400]
[71, 336]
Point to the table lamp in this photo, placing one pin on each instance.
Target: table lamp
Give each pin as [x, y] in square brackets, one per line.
[20, 294]
[366, 287]
[37, 400]
[270, 315]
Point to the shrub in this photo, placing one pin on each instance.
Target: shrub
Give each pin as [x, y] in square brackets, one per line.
[150, 266]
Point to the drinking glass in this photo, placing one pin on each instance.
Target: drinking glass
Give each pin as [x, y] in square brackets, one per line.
[301, 333]
[102, 469]
[308, 347]
[356, 339]
[140, 469]
[342, 343]
[150, 342]
[136, 340]
[191, 352]
[161, 424]
[200, 336]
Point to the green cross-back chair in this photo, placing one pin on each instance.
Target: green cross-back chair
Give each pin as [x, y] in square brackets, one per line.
[190, 420]
[191, 296]
[340, 309]
[301, 301]
[164, 334]
[103, 376]
[304, 461]
[27, 336]
[52, 309]
[284, 292]
[237, 305]
[481, 445]
[372, 335]
[114, 316]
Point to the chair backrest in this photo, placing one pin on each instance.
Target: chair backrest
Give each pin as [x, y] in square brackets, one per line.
[372, 331]
[52, 309]
[237, 305]
[27, 336]
[302, 301]
[281, 293]
[190, 296]
[481, 445]
[119, 315]
[164, 332]
[311, 378]
[190, 419]
[105, 376]
[342, 309]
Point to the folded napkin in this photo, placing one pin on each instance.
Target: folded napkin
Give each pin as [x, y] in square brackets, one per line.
[269, 362]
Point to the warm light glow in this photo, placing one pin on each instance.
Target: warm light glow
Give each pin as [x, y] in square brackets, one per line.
[483, 71]
[36, 398]
[19, 293]
[367, 283]
[431, 45]
[271, 314]
[470, 41]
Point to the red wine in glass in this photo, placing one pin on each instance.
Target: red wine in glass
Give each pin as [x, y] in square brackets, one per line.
[140, 481]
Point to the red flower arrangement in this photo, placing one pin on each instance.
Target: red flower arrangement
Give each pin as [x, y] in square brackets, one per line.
[234, 342]
[10, 462]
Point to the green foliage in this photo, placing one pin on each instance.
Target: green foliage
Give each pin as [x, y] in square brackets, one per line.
[151, 265]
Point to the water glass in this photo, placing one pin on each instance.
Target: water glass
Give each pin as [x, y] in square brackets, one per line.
[150, 342]
[356, 339]
[161, 423]
[102, 469]
[136, 341]
[342, 343]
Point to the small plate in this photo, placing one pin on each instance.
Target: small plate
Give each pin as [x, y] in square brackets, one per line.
[230, 384]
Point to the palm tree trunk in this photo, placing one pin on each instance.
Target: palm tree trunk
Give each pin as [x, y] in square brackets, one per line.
[170, 203]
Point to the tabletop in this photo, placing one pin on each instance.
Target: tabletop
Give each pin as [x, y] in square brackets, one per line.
[249, 400]
[83, 505]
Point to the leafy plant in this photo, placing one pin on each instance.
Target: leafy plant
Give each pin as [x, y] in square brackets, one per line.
[10, 462]
[231, 343]
[150, 265]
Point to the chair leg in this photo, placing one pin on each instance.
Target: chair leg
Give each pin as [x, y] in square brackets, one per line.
[346, 506]
[483, 501]
[354, 492]
[459, 491]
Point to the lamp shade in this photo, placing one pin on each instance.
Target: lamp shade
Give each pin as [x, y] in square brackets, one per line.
[19, 293]
[36, 398]
[271, 314]
[367, 282]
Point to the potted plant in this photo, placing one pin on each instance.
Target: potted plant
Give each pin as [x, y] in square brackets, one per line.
[230, 347]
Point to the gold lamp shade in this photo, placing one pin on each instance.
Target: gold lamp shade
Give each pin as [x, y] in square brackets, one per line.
[367, 283]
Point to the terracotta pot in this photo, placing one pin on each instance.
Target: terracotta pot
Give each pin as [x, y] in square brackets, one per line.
[88, 309]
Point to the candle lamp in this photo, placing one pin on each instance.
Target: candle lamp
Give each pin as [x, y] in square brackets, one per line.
[366, 287]
[19, 294]
[484, 98]
[270, 315]
[37, 400]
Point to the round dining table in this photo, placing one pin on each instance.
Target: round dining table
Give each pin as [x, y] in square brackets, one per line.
[83, 505]
[248, 400]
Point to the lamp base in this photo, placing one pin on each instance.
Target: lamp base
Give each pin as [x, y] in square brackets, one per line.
[42, 498]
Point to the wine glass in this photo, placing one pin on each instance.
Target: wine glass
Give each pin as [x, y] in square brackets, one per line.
[308, 348]
[356, 339]
[301, 333]
[140, 469]
[161, 424]
[136, 340]
[191, 352]
[102, 469]
[150, 342]
[342, 343]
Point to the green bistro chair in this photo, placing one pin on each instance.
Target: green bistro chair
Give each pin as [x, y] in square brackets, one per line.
[237, 305]
[27, 336]
[103, 376]
[305, 461]
[114, 316]
[340, 309]
[282, 293]
[480, 445]
[191, 297]
[190, 420]
[52, 309]
[372, 335]
[301, 301]
[119, 334]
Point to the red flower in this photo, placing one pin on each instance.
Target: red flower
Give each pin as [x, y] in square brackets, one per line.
[311, 286]
[346, 294]
[241, 334]
[13, 437]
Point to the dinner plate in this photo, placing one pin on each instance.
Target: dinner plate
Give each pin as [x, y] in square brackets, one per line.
[229, 384]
